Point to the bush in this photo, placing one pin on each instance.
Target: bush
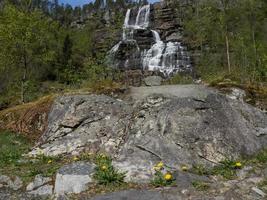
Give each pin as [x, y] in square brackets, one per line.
[180, 79]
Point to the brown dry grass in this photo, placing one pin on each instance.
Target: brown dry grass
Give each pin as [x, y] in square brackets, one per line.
[29, 119]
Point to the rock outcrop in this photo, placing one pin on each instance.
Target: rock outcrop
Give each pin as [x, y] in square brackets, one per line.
[179, 126]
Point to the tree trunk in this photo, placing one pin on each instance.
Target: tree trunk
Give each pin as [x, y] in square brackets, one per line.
[255, 54]
[227, 52]
[22, 95]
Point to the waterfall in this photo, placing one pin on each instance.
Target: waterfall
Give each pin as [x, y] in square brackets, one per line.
[127, 18]
[156, 35]
[167, 57]
[142, 19]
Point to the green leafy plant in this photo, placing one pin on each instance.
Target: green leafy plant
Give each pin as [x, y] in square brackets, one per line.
[227, 169]
[162, 176]
[105, 173]
[160, 179]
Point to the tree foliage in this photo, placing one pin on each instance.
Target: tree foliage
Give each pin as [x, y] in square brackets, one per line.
[25, 38]
[230, 35]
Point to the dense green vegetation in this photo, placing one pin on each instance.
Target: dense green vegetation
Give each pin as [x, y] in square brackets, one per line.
[44, 49]
[230, 37]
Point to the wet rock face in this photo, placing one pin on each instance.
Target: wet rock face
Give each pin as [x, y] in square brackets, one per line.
[165, 21]
[194, 129]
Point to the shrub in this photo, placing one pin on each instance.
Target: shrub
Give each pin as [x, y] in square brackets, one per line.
[105, 173]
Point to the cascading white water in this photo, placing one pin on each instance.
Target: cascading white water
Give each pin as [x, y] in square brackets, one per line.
[142, 19]
[156, 35]
[103, 4]
[165, 57]
[127, 18]
[115, 48]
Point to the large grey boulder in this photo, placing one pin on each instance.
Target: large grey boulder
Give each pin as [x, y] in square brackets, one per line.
[179, 125]
[188, 131]
[85, 122]
[74, 178]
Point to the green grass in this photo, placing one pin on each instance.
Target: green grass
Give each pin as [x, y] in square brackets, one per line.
[228, 169]
[180, 79]
[12, 163]
[12, 146]
[200, 185]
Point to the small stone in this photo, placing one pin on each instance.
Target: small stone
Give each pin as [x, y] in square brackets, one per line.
[243, 173]
[237, 94]
[38, 181]
[6, 181]
[43, 191]
[74, 178]
[258, 191]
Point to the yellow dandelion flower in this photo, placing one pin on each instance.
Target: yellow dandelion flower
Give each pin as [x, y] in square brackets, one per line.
[104, 167]
[49, 161]
[160, 164]
[184, 168]
[75, 158]
[168, 176]
[238, 164]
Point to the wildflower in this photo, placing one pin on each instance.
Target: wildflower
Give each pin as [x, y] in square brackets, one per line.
[184, 168]
[49, 161]
[168, 176]
[238, 164]
[104, 167]
[160, 165]
[75, 158]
